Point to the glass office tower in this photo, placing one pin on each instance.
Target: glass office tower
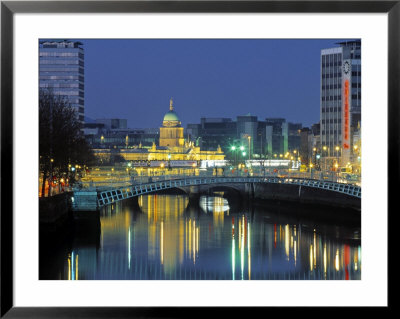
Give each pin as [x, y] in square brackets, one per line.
[61, 69]
[340, 104]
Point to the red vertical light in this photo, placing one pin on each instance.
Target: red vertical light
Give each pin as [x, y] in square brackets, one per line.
[346, 116]
[346, 260]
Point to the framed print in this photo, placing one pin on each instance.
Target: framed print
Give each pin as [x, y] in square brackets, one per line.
[165, 157]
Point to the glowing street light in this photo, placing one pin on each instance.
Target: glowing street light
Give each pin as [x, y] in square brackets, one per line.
[249, 138]
[233, 148]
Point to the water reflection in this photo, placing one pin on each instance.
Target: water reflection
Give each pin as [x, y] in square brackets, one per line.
[165, 237]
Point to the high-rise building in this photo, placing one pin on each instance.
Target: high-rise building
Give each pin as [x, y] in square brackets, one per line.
[61, 70]
[340, 104]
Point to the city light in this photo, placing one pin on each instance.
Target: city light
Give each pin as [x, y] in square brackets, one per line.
[187, 180]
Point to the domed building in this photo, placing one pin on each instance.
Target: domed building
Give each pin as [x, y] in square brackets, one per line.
[171, 132]
[172, 152]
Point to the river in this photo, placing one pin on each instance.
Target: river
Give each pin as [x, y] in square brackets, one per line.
[168, 237]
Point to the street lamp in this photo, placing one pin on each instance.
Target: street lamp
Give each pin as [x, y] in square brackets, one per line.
[326, 148]
[233, 148]
[337, 149]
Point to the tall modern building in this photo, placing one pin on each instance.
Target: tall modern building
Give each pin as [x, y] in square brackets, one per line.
[340, 104]
[61, 69]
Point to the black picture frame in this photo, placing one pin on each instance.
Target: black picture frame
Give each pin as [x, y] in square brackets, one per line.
[9, 8]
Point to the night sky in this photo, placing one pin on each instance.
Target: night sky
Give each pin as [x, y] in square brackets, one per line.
[134, 79]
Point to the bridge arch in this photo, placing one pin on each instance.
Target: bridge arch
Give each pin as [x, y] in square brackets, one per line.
[105, 197]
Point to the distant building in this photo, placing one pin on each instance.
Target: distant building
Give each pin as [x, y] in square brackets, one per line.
[61, 70]
[247, 131]
[259, 139]
[294, 139]
[276, 136]
[112, 124]
[340, 99]
[305, 149]
[213, 132]
[171, 132]
[172, 149]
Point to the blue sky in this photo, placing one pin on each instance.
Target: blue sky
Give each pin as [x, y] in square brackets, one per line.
[134, 79]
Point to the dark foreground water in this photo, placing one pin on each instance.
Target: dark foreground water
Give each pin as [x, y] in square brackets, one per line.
[168, 238]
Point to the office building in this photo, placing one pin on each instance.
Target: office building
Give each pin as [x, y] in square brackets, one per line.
[294, 139]
[113, 124]
[61, 70]
[247, 131]
[340, 108]
[213, 132]
[276, 136]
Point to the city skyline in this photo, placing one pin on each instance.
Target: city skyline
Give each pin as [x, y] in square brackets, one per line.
[134, 79]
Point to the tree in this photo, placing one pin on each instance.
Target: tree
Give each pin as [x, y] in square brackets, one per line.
[61, 142]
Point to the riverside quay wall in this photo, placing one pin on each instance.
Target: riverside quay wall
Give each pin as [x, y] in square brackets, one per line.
[54, 211]
[302, 194]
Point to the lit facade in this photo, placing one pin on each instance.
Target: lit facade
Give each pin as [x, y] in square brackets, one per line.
[340, 104]
[172, 147]
[61, 70]
[171, 133]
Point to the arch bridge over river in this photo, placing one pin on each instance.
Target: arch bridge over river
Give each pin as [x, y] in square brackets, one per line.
[262, 187]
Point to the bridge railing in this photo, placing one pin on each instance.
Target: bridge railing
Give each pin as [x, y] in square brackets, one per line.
[121, 181]
[110, 195]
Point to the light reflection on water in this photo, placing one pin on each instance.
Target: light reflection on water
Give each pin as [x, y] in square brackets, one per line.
[167, 239]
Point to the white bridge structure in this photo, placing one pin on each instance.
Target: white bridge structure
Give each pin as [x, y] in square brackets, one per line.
[95, 197]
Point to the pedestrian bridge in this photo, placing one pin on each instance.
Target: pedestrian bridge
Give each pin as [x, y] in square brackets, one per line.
[95, 198]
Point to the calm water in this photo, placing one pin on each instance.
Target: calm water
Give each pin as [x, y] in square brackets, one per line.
[166, 238]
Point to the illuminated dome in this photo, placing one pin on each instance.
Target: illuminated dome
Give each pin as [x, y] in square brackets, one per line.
[171, 118]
